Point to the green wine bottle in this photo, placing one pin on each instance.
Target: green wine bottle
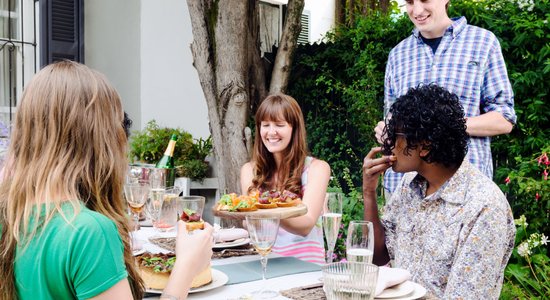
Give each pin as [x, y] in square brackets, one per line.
[167, 160]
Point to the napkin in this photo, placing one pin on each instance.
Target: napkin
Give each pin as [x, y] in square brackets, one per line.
[388, 277]
[230, 234]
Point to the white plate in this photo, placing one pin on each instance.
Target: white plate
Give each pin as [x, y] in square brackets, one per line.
[407, 290]
[235, 243]
[219, 278]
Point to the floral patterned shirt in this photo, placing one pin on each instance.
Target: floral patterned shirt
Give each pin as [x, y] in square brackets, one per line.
[455, 242]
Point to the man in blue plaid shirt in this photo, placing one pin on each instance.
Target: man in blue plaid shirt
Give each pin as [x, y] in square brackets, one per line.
[467, 61]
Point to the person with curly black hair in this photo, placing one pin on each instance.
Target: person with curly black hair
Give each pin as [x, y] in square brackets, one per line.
[449, 225]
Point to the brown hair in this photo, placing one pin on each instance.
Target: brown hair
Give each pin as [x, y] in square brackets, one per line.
[68, 140]
[279, 107]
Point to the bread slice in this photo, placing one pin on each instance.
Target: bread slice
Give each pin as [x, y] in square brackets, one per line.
[159, 280]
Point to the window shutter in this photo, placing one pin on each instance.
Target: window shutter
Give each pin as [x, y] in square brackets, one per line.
[62, 31]
[303, 38]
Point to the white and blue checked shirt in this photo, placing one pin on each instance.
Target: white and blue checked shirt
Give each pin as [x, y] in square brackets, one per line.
[468, 63]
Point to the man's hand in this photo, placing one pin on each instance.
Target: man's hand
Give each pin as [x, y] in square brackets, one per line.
[379, 131]
[373, 167]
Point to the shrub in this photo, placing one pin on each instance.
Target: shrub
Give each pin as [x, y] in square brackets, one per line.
[339, 85]
[148, 146]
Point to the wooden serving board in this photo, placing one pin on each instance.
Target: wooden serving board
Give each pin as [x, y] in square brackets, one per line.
[282, 212]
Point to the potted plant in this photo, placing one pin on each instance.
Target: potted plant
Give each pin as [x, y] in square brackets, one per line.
[147, 146]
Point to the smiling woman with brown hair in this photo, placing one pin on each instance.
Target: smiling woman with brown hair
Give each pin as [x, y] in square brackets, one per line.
[280, 163]
[64, 228]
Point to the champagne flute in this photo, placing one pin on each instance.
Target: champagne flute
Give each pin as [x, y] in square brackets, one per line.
[158, 190]
[263, 234]
[360, 242]
[332, 216]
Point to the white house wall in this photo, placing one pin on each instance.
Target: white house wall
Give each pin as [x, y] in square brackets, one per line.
[170, 87]
[321, 16]
[112, 46]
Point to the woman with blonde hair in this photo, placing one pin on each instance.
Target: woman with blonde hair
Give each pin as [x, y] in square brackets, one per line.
[64, 228]
[280, 162]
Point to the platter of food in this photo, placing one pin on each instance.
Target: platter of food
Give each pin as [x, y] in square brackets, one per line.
[270, 203]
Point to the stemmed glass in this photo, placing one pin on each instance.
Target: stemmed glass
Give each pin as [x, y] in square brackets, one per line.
[332, 216]
[158, 190]
[360, 242]
[263, 234]
[136, 195]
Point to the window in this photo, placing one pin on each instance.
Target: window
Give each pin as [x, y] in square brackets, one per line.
[272, 17]
[17, 57]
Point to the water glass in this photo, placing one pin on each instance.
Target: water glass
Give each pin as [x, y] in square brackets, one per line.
[350, 281]
[168, 216]
[360, 242]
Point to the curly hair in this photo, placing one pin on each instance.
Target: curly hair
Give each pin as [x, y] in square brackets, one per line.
[433, 118]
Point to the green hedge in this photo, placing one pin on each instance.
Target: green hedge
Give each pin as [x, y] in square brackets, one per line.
[340, 87]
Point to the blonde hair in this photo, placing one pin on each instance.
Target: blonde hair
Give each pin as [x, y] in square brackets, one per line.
[67, 141]
[279, 107]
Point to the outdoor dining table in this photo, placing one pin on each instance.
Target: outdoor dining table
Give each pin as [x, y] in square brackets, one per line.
[244, 289]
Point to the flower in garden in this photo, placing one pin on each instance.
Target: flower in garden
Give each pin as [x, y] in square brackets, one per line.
[522, 221]
[543, 239]
[534, 240]
[523, 249]
[545, 173]
[537, 196]
[344, 260]
[543, 159]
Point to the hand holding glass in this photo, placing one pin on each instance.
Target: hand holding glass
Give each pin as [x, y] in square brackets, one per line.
[263, 234]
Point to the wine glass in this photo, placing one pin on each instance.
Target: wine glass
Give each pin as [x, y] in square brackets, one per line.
[158, 190]
[136, 195]
[154, 205]
[263, 234]
[332, 216]
[360, 242]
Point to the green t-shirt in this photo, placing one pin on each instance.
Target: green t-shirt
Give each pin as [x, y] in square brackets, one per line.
[76, 260]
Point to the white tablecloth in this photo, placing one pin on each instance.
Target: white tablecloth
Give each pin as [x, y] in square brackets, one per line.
[235, 291]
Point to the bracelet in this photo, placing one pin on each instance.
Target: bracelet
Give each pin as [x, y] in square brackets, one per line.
[169, 297]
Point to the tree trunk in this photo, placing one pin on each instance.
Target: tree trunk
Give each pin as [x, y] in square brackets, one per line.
[220, 55]
[226, 54]
[287, 47]
[340, 12]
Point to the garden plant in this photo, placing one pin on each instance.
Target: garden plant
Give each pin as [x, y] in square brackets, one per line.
[340, 86]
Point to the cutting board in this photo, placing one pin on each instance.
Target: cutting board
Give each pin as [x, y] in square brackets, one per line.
[282, 212]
